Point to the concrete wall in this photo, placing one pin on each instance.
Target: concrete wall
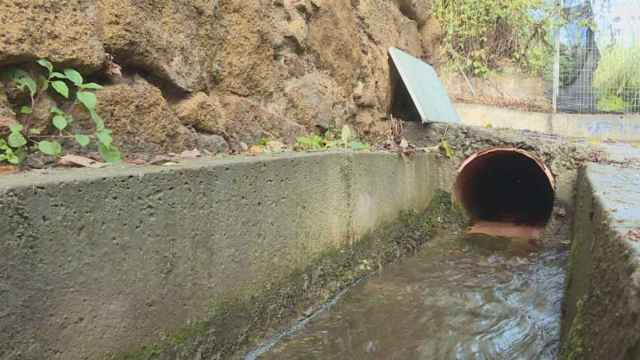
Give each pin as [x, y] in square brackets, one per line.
[102, 261]
[593, 126]
[602, 304]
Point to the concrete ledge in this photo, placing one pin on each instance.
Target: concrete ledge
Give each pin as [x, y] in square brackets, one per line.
[96, 262]
[593, 126]
[602, 303]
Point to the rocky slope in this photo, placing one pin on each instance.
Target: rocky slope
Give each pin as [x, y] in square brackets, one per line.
[239, 69]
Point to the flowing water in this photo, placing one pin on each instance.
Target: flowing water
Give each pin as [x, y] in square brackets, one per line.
[453, 300]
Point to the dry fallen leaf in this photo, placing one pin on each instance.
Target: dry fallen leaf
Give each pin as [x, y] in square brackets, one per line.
[5, 122]
[160, 159]
[8, 169]
[136, 161]
[275, 146]
[77, 160]
[256, 150]
[190, 154]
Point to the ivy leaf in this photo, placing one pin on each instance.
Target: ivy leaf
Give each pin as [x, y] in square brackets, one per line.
[25, 110]
[45, 64]
[74, 76]
[87, 99]
[83, 140]
[57, 75]
[60, 122]
[52, 148]
[110, 153]
[61, 88]
[104, 137]
[16, 139]
[91, 86]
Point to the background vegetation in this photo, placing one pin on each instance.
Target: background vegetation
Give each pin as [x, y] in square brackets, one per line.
[617, 79]
[480, 34]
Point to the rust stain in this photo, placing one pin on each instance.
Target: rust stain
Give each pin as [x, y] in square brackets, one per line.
[506, 229]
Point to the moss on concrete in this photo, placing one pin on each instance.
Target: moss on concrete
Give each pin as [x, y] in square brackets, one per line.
[240, 319]
[573, 347]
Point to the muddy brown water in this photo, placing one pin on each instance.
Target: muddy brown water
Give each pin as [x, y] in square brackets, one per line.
[453, 300]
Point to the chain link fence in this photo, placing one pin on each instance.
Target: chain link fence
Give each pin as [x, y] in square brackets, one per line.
[597, 57]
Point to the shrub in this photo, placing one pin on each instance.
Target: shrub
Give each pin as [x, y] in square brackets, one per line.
[480, 33]
[617, 79]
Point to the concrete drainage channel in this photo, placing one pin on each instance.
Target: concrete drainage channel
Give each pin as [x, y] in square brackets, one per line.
[203, 259]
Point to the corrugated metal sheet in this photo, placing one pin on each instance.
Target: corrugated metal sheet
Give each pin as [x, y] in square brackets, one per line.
[425, 88]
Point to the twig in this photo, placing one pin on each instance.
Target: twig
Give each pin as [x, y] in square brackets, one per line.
[473, 91]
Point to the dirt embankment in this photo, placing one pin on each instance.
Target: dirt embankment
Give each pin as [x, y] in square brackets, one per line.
[235, 70]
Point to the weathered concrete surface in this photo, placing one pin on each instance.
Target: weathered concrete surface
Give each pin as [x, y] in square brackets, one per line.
[593, 126]
[603, 292]
[101, 262]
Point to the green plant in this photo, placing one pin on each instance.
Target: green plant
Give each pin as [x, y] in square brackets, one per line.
[617, 79]
[71, 88]
[331, 139]
[478, 34]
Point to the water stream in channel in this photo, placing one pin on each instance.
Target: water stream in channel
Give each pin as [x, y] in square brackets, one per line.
[452, 300]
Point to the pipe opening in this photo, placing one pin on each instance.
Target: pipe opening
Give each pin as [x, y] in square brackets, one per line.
[506, 185]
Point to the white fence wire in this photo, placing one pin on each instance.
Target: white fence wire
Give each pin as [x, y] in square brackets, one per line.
[597, 57]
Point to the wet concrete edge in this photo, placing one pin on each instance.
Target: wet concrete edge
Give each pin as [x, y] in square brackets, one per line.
[602, 303]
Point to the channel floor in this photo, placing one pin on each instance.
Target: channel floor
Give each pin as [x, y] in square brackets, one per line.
[453, 300]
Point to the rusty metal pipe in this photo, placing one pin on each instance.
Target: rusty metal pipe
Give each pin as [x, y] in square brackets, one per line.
[505, 185]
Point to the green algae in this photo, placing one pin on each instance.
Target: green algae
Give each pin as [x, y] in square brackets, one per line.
[574, 346]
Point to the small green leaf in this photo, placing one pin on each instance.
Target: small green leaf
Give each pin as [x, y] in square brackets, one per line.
[35, 131]
[91, 86]
[346, 134]
[57, 75]
[29, 83]
[57, 110]
[74, 76]
[13, 159]
[87, 99]
[110, 153]
[97, 120]
[25, 110]
[45, 84]
[45, 64]
[52, 148]
[83, 140]
[357, 146]
[61, 88]
[16, 127]
[104, 137]
[16, 140]
[448, 151]
[60, 122]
